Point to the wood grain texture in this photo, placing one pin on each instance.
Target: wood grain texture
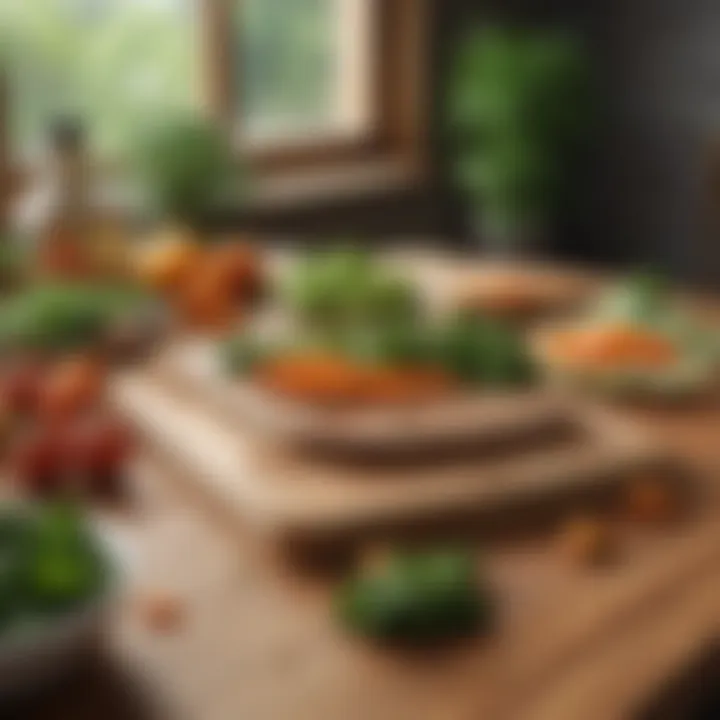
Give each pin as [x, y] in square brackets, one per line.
[260, 643]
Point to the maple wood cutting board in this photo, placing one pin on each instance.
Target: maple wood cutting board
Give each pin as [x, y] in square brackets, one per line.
[190, 369]
[301, 495]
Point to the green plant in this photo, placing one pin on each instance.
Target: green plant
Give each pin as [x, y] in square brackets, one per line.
[57, 318]
[185, 166]
[49, 564]
[351, 307]
[417, 596]
[644, 298]
[409, 343]
[347, 289]
[518, 114]
[484, 351]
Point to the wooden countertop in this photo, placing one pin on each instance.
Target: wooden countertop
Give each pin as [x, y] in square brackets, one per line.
[258, 642]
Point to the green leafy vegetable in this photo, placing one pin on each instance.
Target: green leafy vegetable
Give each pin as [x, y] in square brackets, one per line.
[643, 298]
[474, 350]
[341, 287]
[185, 166]
[49, 564]
[353, 307]
[519, 116]
[62, 317]
[417, 596]
[480, 350]
[391, 344]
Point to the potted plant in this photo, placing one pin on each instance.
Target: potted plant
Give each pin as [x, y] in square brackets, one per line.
[518, 117]
[185, 168]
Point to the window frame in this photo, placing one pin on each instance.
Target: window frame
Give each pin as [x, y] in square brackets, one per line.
[399, 84]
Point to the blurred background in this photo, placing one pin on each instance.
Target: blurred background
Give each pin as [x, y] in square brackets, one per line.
[342, 113]
[582, 131]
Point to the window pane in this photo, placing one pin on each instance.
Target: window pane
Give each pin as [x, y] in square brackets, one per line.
[304, 67]
[111, 62]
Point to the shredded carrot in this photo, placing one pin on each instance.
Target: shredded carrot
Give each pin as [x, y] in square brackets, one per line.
[333, 380]
[323, 379]
[613, 346]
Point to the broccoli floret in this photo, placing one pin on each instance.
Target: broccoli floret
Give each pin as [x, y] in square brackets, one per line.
[484, 351]
[417, 596]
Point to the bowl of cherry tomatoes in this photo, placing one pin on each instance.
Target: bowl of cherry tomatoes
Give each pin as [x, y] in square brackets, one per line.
[57, 433]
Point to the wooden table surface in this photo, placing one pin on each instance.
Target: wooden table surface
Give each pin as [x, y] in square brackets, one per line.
[258, 641]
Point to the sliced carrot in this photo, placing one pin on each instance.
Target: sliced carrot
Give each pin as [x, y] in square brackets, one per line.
[333, 380]
[323, 379]
[613, 346]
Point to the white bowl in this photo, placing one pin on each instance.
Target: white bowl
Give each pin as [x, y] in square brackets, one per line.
[42, 653]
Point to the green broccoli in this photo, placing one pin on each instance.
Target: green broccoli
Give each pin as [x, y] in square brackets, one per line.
[417, 596]
[391, 344]
[347, 286]
[484, 351]
[60, 565]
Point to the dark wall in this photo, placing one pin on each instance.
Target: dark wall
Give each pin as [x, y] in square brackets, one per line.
[664, 61]
[657, 71]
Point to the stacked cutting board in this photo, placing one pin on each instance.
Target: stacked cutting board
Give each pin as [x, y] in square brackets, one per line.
[322, 474]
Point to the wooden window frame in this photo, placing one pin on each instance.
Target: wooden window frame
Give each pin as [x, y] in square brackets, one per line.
[399, 93]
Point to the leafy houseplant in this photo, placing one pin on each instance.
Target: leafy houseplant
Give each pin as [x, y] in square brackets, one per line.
[518, 117]
[185, 167]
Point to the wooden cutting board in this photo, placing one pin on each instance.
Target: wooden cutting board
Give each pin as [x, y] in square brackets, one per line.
[190, 368]
[300, 495]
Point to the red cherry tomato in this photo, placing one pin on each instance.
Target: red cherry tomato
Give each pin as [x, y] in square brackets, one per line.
[21, 388]
[39, 462]
[70, 388]
[99, 450]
